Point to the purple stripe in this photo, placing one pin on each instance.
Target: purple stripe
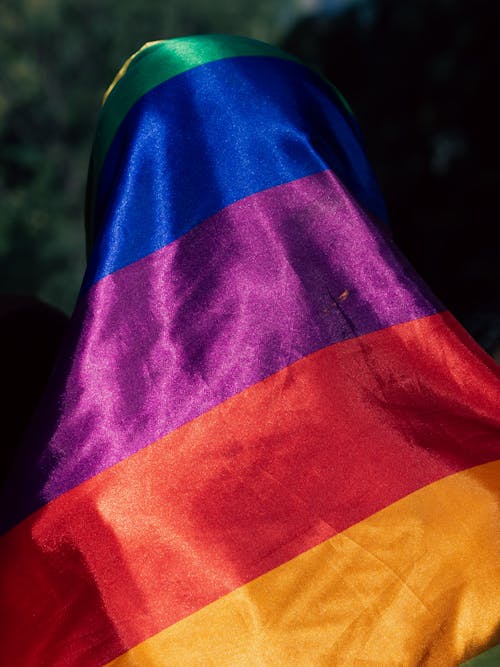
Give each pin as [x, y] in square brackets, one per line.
[256, 287]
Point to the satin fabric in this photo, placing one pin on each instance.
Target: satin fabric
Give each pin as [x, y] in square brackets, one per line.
[265, 441]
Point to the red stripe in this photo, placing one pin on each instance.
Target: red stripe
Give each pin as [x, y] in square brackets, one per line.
[245, 487]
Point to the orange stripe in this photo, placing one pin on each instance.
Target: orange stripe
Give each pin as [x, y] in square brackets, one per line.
[416, 584]
[249, 485]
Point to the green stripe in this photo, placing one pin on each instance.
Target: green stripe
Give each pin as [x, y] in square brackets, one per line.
[489, 658]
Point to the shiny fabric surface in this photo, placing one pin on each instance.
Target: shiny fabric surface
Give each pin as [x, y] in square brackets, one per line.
[268, 268]
[287, 616]
[204, 167]
[265, 441]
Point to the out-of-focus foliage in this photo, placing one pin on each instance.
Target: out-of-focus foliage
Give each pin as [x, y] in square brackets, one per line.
[422, 78]
[58, 57]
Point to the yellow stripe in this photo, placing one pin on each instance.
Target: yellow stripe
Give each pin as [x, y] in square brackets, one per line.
[123, 69]
[415, 584]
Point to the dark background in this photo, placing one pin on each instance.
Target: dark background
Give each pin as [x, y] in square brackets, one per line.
[421, 77]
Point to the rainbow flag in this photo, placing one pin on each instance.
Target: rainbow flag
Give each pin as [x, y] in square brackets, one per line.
[265, 441]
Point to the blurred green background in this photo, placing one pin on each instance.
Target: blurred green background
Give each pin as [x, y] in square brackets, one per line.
[421, 76]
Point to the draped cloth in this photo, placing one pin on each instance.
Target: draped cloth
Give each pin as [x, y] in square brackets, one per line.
[265, 441]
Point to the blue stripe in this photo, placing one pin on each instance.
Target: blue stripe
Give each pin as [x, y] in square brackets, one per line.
[211, 136]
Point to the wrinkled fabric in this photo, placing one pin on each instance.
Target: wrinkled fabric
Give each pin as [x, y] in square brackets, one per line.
[265, 442]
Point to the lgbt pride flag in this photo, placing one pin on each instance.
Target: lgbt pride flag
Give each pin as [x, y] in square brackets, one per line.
[265, 441]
